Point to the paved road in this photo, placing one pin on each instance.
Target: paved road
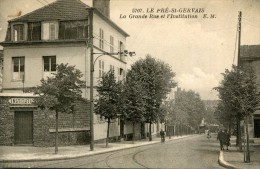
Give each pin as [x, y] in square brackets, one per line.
[191, 152]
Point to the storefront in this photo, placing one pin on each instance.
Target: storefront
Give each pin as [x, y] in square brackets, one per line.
[22, 123]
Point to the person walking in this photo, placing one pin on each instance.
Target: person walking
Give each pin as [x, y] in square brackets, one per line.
[208, 134]
[162, 133]
[226, 139]
[221, 137]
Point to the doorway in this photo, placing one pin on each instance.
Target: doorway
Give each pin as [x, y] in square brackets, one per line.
[257, 128]
[23, 127]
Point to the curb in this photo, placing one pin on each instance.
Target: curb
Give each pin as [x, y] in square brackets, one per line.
[91, 154]
[223, 163]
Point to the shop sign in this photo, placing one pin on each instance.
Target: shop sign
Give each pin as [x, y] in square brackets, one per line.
[26, 101]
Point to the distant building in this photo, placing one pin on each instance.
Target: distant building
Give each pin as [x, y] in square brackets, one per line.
[250, 56]
[210, 104]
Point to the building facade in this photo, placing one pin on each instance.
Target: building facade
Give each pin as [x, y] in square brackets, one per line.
[35, 43]
[250, 57]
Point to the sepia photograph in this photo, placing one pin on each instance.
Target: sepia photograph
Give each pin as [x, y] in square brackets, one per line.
[130, 84]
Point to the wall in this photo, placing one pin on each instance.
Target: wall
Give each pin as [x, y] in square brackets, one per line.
[6, 124]
[73, 128]
[100, 127]
[72, 54]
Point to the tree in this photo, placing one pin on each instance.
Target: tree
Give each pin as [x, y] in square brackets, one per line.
[224, 116]
[238, 92]
[134, 103]
[191, 103]
[155, 77]
[60, 92]
[108, 97]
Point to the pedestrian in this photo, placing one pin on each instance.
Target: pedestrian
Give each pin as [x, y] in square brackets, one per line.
[226, 139]
[220, 137]
[208, 134]
[162, 133]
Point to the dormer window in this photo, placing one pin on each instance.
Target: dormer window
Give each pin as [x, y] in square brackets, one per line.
[34, 31]
[18, 32]
[49, 30]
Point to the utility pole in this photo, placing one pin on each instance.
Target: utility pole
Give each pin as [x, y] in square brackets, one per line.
[238, 142]
[239, 37]
[91, 79]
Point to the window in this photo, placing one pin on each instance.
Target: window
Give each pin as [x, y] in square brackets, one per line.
[18, 68]
[118, 74]
[111, 44]
[112, 67]
[73, 29]
[101, 38]
[49, 63]
[34, 31]
[121, 49]
[18, 34]
[101, 68]
[50, 31]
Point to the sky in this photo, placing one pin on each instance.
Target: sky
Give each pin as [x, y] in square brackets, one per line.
[197, 49]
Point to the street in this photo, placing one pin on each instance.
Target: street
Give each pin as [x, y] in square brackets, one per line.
[191, 152]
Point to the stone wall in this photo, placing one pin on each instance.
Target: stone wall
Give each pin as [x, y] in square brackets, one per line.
[41, 127]
[6, 124]
[73, 127]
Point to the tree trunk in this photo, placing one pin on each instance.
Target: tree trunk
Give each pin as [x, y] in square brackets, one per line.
[150, 131]
[238, 141]
[247, 141]
[169, 131]
[108, 124]
[133, 140]
[181, 129]
[229, 129]
[56, 132]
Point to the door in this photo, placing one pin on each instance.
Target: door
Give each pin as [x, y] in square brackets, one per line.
[23, 127]
[257, 128]
[122, 128]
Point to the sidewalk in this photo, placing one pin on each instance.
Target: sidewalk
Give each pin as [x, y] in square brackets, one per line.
[25, 153]
[234, 158]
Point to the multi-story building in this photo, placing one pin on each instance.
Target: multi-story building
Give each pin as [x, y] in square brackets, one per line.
[34, 44]
[250, 56]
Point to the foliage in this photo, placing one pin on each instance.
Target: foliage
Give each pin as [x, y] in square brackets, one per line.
[209, 116]
[109, 92]
[239, 95]
[223, 115]
[60, 92]
[134, 103]
[154, 77]
[238, 92]
[190, 102]
[108, 96]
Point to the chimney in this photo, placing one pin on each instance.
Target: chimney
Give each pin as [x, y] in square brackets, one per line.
[103, 6]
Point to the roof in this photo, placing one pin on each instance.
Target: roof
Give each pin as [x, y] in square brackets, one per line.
[250, 51]
[58, 10]
[64, 10]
